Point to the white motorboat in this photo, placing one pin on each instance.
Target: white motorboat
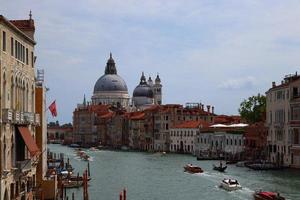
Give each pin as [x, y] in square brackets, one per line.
[230, 184]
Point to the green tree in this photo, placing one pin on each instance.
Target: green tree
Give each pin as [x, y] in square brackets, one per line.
[253, 109]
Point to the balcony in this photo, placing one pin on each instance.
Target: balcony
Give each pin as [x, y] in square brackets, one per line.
[17, 117]
[21, 117]
[295, 123]
[24, 166]
[28, 118]
[37, 119]
[7, 115]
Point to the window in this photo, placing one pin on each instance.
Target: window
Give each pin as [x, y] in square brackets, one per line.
[32, 60]
[26, 56]
[12, 46]
[4, 41]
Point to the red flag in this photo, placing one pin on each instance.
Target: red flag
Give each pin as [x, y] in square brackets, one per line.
[52, 109]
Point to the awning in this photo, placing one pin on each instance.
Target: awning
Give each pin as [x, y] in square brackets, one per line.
[29, 141]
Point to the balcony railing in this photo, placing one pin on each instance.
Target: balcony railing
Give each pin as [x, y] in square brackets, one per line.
[7, 115]
[17, 117]
[24, 165]
[21, 117]
[28, 117]
[37, 119]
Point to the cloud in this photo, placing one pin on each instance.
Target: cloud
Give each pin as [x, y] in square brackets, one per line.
[238, 83]
[192, 44]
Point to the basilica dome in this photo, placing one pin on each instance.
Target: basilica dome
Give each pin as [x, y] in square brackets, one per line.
[110, 88]
[143, 93]
[110, 82]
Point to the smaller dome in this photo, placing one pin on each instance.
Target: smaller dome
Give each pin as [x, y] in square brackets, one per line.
[143, 91]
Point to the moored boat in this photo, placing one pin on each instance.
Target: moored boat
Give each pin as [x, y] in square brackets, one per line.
[72, 184]
[192, 169]
[265, 195]
[230, 184]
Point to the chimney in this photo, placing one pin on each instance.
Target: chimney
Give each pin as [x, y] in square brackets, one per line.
[208, 108]
[213, 110]
[273, 84]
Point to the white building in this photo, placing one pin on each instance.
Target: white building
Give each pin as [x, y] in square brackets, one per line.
[219, 142]
[182, 136]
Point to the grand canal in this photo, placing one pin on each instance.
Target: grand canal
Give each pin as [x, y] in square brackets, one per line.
[149, 176]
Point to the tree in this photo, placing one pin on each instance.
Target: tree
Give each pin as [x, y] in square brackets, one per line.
[253, 109]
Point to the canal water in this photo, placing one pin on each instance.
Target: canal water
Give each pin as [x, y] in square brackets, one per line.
[151, 176]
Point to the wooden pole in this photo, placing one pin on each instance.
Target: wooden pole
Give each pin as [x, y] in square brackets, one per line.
[121, 196]
[73, 197]
[89, 173]
[124, 193]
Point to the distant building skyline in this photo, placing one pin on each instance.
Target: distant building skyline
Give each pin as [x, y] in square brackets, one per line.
[216, 53]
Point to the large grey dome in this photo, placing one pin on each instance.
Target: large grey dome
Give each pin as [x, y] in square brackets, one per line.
[110, 82]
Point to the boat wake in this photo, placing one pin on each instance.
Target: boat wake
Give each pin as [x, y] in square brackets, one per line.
[215, 178]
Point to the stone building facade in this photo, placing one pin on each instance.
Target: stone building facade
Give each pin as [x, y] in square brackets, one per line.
[182, 136]
[283, 121]
[220, 142]
[19, 121]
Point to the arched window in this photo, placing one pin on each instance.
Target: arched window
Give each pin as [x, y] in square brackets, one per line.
[12, 91]
[4, 152]
[4, 92]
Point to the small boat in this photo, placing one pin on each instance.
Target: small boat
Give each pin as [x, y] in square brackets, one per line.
[230, 184]
[219, 168]
[265, 195]
[79, 178]
[192, 169]
[72, 184]
[230, 162]
[85, 157]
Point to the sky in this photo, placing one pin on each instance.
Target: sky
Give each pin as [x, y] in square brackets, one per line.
[217, 52]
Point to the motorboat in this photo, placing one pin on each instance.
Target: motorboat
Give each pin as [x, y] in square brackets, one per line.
[230, 184]
[192, 169]
[219, 168]
[265, 195]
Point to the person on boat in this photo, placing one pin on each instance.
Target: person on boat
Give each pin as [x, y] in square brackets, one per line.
[221, 164]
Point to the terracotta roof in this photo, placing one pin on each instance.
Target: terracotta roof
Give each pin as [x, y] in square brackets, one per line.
[24, 25]
[225, 119]
[138, 116]
[192, 124]
[19, 27]
[285, 84]
[107, 115]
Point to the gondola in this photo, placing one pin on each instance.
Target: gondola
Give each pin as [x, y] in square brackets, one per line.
[219, 168]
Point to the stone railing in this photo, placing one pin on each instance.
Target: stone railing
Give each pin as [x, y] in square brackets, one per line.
[7, 115]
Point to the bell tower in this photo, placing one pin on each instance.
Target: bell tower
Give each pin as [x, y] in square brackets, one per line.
[157, 88]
